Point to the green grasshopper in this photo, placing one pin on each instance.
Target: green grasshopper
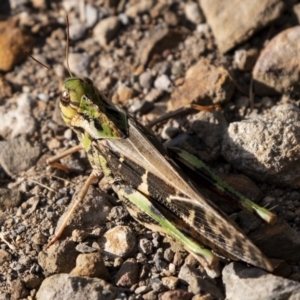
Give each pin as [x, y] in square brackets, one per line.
[155, 190]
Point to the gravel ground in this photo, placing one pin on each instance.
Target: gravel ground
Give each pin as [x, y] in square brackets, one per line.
[149, 57]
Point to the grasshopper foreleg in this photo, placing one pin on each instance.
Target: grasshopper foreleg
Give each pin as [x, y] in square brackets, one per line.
[52, 161]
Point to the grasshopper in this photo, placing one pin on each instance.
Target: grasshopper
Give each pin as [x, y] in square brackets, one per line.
[151, 184]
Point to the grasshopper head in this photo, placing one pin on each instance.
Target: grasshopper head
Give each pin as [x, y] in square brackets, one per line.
[85, 108]
[74, 91]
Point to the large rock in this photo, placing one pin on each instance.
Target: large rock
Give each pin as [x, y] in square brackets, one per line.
[204, 84]
[65, 286]
[235, 21]
[242, 282]
[267, 148]
[277, 69]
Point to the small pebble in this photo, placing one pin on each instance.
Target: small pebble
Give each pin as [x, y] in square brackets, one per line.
[63, 201]
[92, 13]
[168, 255]
[80, 63]
[145, 79]
[142, 289]
[141, 106]
[77, 31]
[203, 29]
[68, 134]
[20, 229]
[123, 19]
[145, 246]
[157, 285]
[153, 95]
[162, 82]
[84, 248]
[119, 241]
[158, 260]
[192, 12]
[43, 97]
[170, 282]
[39, 239]
[177, 68]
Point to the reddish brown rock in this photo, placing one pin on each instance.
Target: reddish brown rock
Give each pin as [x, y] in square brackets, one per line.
[128, 273]
[13, 42]
[204, 84]
[90, 265]
[278, 66]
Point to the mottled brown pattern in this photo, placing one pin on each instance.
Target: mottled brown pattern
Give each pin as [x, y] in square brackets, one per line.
[210, 225]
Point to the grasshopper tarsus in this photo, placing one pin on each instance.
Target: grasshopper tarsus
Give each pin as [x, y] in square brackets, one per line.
[59, 166]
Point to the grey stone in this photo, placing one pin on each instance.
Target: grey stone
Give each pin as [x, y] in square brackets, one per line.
[91, 13]
[59, 258]
[251, 16]
[158, 260]
[145, 79]
[65, 286]
[168, 255]
[157, 285]
[266, 148]
[80, 63]
[9, 198]
[18, 155]
[145, 246]
[242, 282]
[77, 31]
[162, 83]
[118, 213]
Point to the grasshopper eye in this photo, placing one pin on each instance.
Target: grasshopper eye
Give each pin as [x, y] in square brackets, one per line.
[65, 98]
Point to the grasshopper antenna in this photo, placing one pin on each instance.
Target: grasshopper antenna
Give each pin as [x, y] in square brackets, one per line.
[68, 46]
[45, 66]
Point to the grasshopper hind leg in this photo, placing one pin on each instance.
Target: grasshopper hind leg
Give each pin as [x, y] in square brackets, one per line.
[94, 175]
[142, 209]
